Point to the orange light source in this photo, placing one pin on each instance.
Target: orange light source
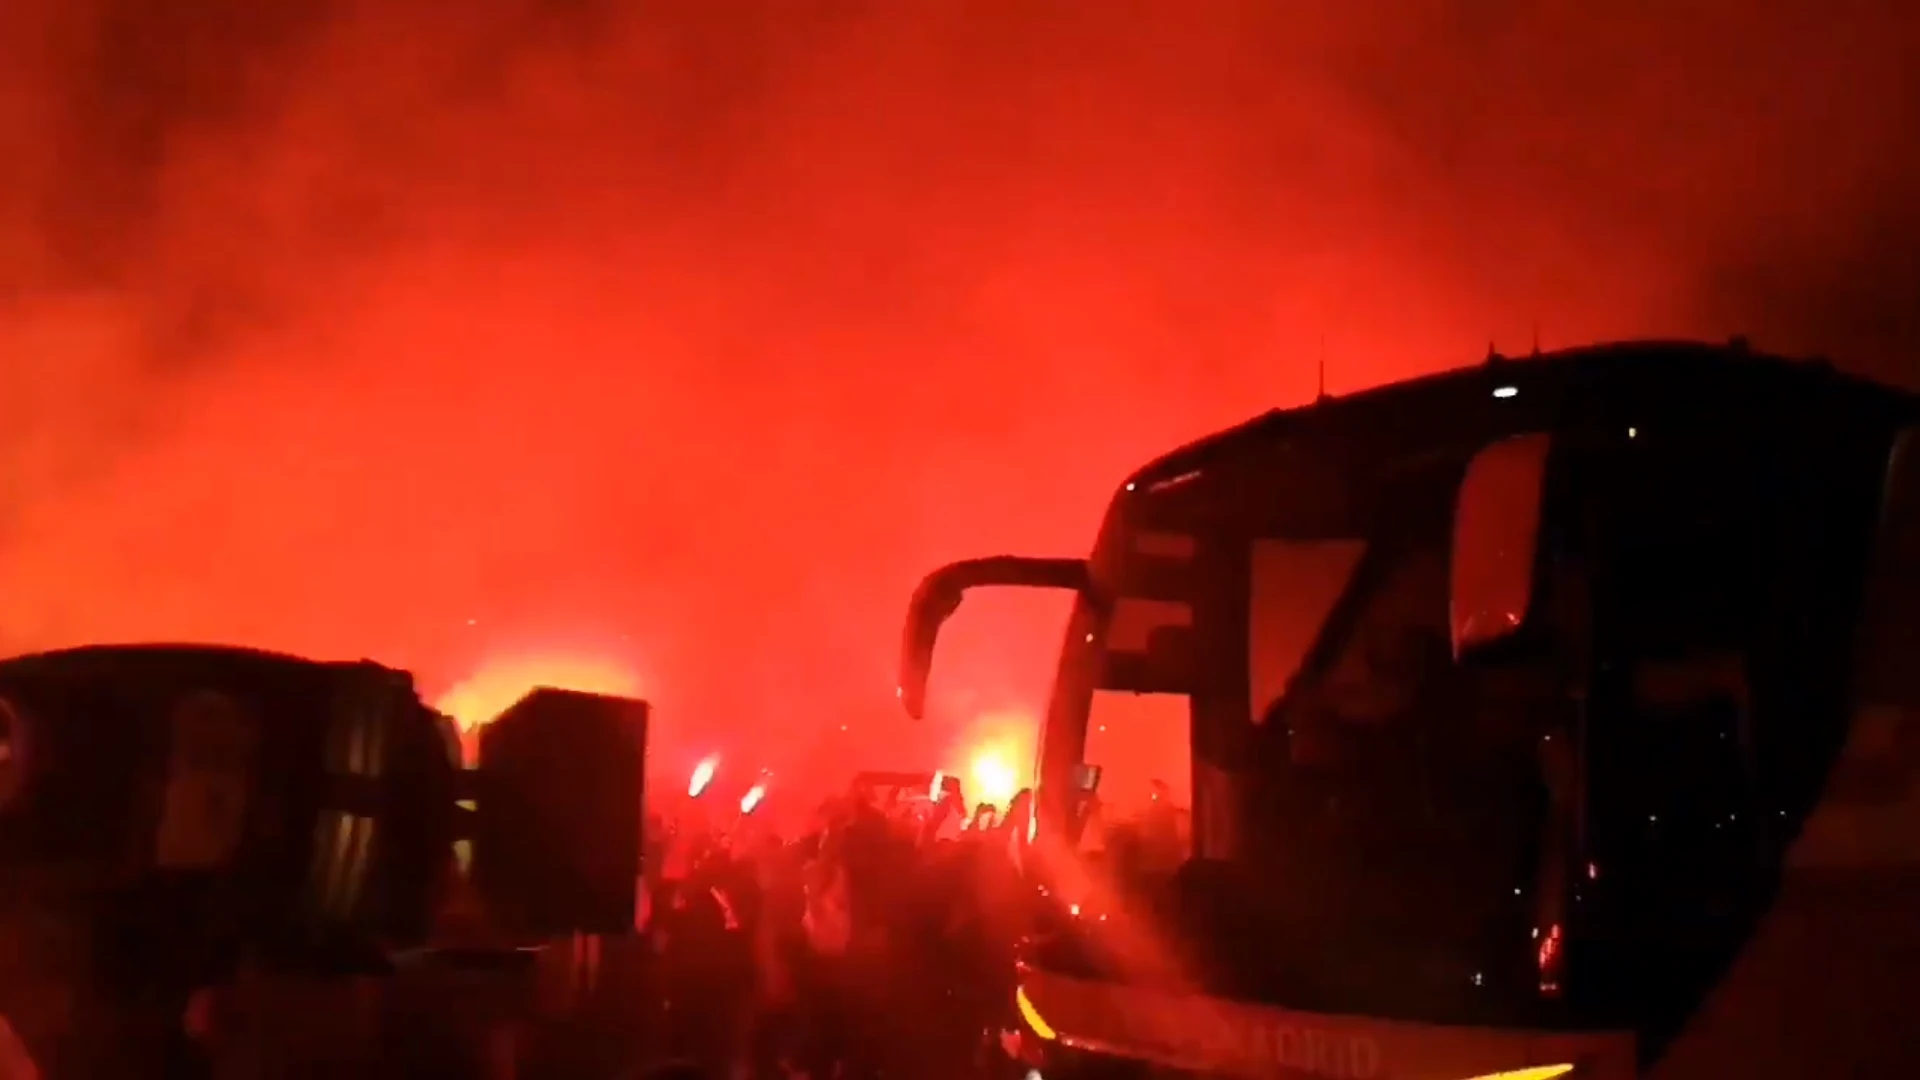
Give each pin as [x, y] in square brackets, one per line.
[993, 757]
[499, 684]
[702, 775]
[1032, 1016]
[752, 798]
[994, 778]
[1530, 1072]
[1550, 964]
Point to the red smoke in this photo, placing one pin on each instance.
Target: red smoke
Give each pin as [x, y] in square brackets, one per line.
[685, 336]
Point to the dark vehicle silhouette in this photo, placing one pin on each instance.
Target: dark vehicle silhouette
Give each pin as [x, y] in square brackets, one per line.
[1552, 717]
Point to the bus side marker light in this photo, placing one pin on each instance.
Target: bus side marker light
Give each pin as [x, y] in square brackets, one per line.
[1531, 1072]
[1039, 1023]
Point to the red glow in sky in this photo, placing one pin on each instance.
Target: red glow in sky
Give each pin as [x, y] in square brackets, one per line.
[681, 338]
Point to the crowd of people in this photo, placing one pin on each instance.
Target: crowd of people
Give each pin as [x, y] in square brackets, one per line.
[875, 940]
[876, 943]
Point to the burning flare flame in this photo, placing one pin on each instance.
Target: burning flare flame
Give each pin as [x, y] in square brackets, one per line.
[996, 757]
[703, 775]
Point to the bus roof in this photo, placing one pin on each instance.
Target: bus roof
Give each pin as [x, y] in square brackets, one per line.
[1550, 390]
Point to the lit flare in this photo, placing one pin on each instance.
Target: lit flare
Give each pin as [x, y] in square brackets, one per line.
[703, 775]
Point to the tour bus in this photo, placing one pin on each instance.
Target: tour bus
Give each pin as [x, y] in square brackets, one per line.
[1549, 717]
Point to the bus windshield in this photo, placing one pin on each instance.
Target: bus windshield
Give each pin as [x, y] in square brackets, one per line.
[1337, 746]
[1414, 814]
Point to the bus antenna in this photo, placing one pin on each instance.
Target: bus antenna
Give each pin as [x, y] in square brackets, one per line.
[1320, 390]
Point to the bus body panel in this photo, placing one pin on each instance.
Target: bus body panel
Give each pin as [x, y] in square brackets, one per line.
[1204, 1035]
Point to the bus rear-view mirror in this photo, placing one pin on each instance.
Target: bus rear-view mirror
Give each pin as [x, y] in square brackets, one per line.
[1496, 536]
[939, 595]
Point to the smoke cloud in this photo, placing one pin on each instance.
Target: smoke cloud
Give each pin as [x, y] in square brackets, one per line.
[690, 333]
